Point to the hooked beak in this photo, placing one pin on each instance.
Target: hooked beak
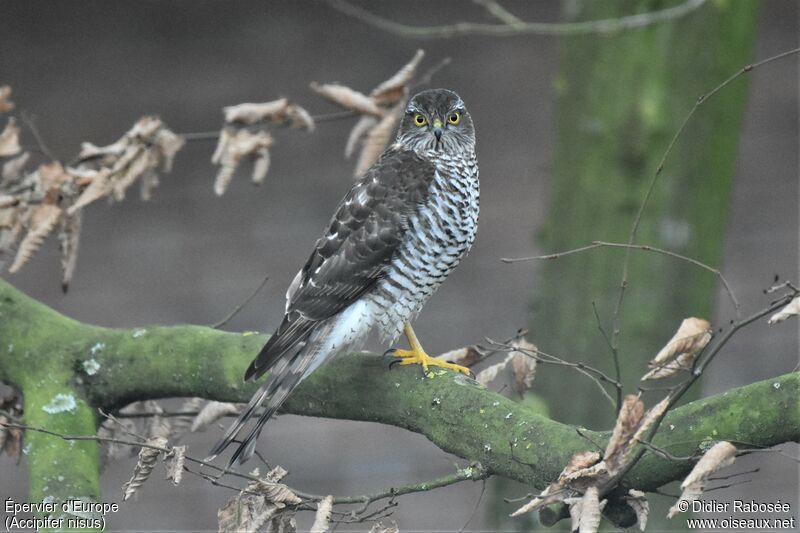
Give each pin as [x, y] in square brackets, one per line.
[438, 129]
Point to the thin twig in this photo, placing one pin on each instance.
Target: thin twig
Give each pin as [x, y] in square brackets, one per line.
[651, 187]
[29, 121]
[700, 364]
[592, 373]
[235, 311]
[614, 356]
[644, 248]
[508, 29]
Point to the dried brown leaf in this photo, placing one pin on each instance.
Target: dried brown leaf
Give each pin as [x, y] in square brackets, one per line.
[552, 494]
[791, 309]
[7, 200]
[211, 412]
[260, 166]
[577, 462]
[157, 426]
[5, 104]
[12, 169]
[244, 512]
[348, 98]
[9, 139]
[689, 494]
[630, 415]
[322, 519]
[523, 365]
[364, 124]
[380, 528]
[99, 186]
[69, 235]
[637, 500]
[466, 356]
[720, 455]
[376, 140]
[488, 374]
[238, 145]
[247, 113]
[300, 118]
[182, 424]
[144, 466]
[585, 511]
[692, 336]
[648, 420]
[44, 218]
[174, 462]
[395, 89]
[168, 144]
[258, 503]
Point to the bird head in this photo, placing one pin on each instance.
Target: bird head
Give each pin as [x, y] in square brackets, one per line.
[436, 119]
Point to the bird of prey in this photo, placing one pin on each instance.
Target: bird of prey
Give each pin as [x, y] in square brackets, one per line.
[395, 237]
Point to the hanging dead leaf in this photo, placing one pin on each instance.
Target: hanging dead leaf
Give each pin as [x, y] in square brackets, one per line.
[174, 462]
[9, 139]
[488, 374]
[377, 139]
[680, 352]
[44, 218]
[719, 456]
[211, 412]
[579, 461]
[363, 125]
[347, 98]
[395, 89]
[274, 111]
[260, 166]
[523, 365]
[647, 421]
[554, 493]
[466, 356]
[182, 424]
[380, 528]
[630, 415]
[12, 169]
[144, 466]
[322, 519]
[637, 500]
[232, 148]
[258, 503]
[300, 118]
[69, 234]
[6, 105]
[791, 309]
[585, 511]
[99, 186]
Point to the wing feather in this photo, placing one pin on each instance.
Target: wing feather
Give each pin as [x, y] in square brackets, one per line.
[355, 251]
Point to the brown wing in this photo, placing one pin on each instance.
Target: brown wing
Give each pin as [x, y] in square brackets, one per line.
[355, 251]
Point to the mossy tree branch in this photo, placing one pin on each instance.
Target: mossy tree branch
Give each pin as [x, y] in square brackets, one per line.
[67, 370]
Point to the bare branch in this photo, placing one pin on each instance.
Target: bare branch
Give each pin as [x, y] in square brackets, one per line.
[512, 26]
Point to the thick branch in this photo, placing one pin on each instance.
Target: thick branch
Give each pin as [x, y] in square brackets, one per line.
[454, 412]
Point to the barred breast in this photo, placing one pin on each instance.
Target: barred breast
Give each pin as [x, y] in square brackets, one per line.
[439, 236]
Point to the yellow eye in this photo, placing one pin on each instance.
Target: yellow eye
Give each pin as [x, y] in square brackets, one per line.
[420, 120]
[454, 118]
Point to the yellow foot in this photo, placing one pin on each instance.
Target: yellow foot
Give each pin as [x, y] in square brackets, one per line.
[418, 357]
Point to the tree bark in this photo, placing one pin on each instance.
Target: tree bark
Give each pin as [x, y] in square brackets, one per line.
[66, 370]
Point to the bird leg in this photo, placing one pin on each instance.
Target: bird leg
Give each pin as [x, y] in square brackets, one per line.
[417, 356]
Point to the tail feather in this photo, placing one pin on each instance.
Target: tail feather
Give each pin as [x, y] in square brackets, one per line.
[286, 374]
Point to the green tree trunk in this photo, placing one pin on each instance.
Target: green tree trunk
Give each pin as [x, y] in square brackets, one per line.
[621, 98]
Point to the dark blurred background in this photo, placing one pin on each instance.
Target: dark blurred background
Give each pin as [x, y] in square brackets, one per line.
[87, 71]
